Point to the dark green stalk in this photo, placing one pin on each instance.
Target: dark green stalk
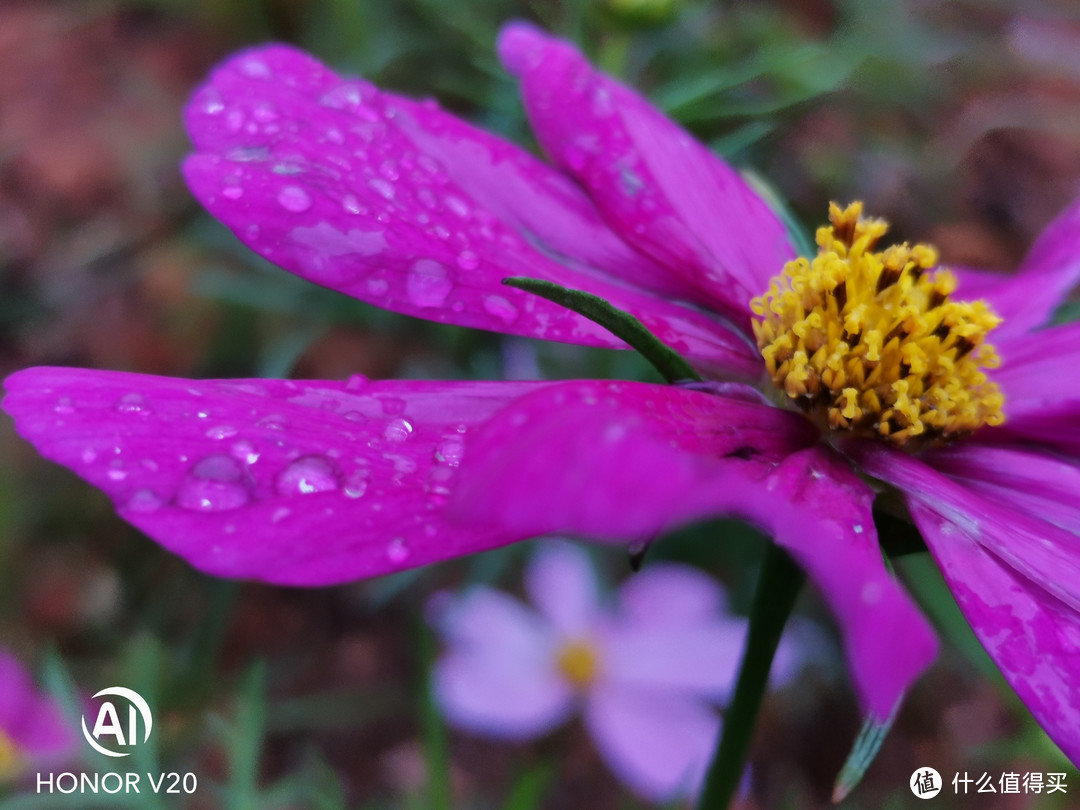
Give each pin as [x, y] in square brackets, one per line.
[778, 587]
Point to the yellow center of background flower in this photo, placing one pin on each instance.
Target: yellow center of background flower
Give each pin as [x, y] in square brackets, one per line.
[868, 341]
[577, 661]
[11, 759]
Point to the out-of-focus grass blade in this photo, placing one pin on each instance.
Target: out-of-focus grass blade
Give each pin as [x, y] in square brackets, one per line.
[863, 752]
[436, 739]
[529, 788]
[243, 738]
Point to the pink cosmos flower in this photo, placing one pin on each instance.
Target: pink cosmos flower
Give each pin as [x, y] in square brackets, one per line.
[32, 728]
[644, 672]
[400, 204]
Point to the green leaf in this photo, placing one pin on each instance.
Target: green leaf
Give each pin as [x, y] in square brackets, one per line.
[623, 325]
[863, 752]
[529, 788]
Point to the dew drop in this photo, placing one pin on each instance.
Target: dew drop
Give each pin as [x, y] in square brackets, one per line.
[377, 286]
[450, 451]
[255, 69]
[245, 451]
[272, 422]
[294, 199]
[397, 430]
[381, 187]
[351, 204]
[501, 308]
[232, 192]
[393, 406]
[467, 260]
[357, 483]
[306, 475]
[212, 103]
[397, 551]
[458, 206]
[214, 484]
[221, 432]
[131, 403]
[427, 284]
[280, 514]
[356, 382]
[143, 501]
[89, 455]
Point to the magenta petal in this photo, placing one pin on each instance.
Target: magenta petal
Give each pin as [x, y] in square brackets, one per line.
[656, 742]
[498, 676]
[1042, 486]
[399, 205]
[304, 483]
[1029, 297]
[989, 557]
[32, 721]
[1041, 402]
[624, 461]
[663, 191]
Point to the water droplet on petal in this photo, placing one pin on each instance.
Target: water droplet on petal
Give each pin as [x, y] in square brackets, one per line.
[450, 451]
[427, 284]
[397, 551]
[280, 514]
[458, 206]
[356, 382]
[214, 484]
[272, 422]
[308, 474]
[397, 430]
[357, 483]
[143, 501]
[467, 260]
[501, 308]
[221, 432]
[131, 403]
[232, 192]
[295, 199]
[393, 406]
[212, 103]
[351, 204]
[245, 451]
[89, 455]
[381, 187]
[255, 69]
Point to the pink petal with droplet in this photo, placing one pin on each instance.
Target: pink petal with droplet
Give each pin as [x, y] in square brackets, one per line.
[663, 191]
[302, 483]
[350, 188]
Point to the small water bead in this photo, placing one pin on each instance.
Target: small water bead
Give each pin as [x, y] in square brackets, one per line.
[245, 451]
[255, 69]
[89, 455]
[381, 187]
[388, 170]
[351, 204]
[131, 403]
[215, 484]
[280, 514]
[294, 199]
[458, 206]
[397, 551]
[307, 475]
[393, 406]
[450, 451]
[221, 432]
[272, 422]
[467, 260]
[212, 103]
[116, 473]
[356, 382]
[501, 308]
[357, 483]
[232, 192]
[427, 284]
[264, 112]
[397, 430]
[377, 286]
[143, 501]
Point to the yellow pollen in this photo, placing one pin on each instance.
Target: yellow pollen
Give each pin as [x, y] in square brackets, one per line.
[11, 758]
[577, 662]
[869, 342]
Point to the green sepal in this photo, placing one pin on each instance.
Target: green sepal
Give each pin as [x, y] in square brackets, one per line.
[863, 752]
[623, 325]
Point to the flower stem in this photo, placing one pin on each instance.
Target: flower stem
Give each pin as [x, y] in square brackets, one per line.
[778, 586]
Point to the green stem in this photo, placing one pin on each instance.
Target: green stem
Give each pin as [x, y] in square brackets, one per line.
[778, 587]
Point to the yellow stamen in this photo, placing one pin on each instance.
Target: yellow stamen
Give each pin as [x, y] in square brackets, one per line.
[578, 663]
[11, 758]
[869, 342]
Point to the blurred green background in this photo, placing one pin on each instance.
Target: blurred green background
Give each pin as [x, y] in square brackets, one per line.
[959, 122]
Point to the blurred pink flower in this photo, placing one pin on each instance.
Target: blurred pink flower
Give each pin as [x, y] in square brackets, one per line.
[32, 729]
[400, 204]
[645, 671]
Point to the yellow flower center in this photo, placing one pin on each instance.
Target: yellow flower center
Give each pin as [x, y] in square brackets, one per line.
[578, 663]
[868, 341]
[11, 757]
